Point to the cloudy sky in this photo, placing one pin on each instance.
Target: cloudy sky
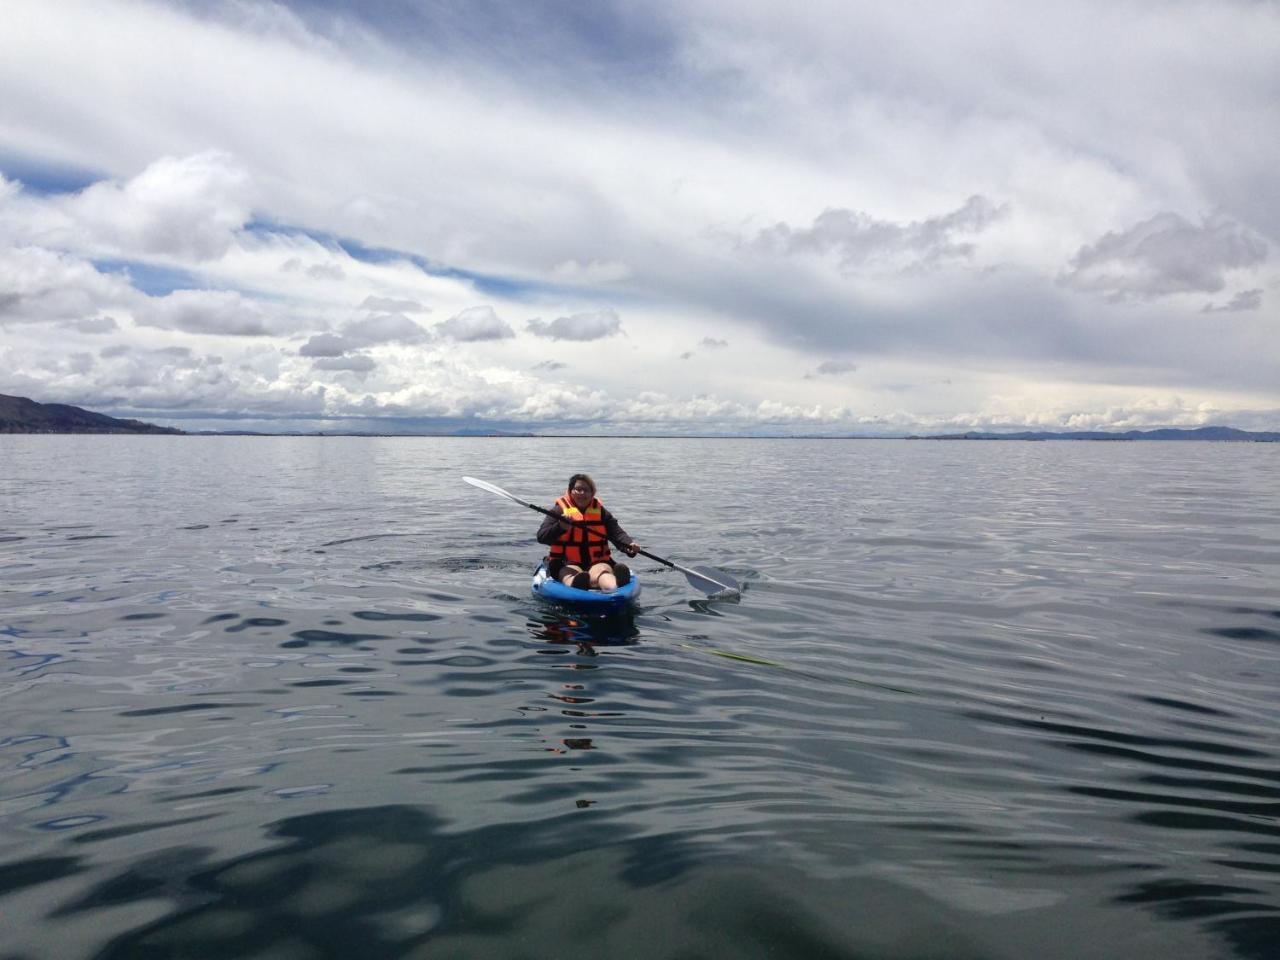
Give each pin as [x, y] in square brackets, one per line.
[671, 216]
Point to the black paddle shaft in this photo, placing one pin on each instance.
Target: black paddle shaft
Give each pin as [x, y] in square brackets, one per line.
[592, 531]
[705, 579]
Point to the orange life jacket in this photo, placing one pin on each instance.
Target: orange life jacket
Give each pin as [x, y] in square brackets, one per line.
[585, 542]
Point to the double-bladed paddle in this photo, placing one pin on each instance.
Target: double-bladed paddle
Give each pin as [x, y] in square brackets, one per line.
[707, 579]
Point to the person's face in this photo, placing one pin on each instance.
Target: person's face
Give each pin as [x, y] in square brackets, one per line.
[580, 493]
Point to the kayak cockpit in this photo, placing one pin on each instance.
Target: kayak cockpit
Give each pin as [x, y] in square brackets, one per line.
[548, 589]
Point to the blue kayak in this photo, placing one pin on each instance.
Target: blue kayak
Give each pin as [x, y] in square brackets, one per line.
[548, 589]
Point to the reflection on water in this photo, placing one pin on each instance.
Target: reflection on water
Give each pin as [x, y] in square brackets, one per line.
[396, 881]
[607, 630]
[393, 882]
[292, 697]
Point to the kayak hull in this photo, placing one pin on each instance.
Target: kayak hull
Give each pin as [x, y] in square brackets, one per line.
[548, 589]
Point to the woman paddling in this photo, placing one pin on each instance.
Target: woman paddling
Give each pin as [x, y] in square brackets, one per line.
[579, 555]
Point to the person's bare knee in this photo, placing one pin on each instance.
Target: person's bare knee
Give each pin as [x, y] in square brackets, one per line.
[603, 578]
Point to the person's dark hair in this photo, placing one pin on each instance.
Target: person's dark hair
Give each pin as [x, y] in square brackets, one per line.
[583, 477]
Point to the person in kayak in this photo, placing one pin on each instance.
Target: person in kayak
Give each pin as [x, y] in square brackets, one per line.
[579, 555]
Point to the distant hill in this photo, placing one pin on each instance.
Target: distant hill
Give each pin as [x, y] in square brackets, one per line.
[20, 415]
[1229, 434]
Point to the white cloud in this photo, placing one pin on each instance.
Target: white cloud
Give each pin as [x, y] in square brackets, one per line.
[355, 364]
[326, 271]
[475, 323]
[593, 272]
[94, 325]
[592, 325]
[216, 312]
[437, 174]
[265, 19]
[391, 305]
[384, 328]
[178, 207]
[858, 239]
[38, 285]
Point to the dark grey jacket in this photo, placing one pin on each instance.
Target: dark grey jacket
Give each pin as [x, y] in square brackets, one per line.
[550, 530]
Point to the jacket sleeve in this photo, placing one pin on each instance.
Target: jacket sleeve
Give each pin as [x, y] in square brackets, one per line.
[550, 531]
[615, 532]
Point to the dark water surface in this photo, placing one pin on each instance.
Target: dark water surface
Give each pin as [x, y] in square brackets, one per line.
[290, 697]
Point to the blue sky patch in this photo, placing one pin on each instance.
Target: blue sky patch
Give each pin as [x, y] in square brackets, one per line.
[494, 285]
[45, 178]
[153, 280]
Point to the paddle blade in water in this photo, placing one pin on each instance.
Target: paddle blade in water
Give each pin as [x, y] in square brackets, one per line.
[710, 580]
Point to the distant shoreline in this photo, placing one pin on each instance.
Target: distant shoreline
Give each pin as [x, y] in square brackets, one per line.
[20, 415]
[1247, 437]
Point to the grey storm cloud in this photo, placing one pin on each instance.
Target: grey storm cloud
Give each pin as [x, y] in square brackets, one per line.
[326, 345]
[200, 311]
[827, 317]
[80, 363]
[1243, 301]
[830, 368]
[355, 364]
[1165, 255]
[475, 323]
[594, 325]
[370, 331]
[856, 238]
[385, 328]
[93, 325]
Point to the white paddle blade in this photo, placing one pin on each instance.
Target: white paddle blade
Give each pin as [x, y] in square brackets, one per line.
[711, 581]
[485, 485]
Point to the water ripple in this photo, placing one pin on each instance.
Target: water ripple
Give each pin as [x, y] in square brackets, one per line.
[1013, 700]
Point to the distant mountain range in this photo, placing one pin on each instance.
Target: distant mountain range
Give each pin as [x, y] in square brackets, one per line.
[1198, 433]
[20, 415]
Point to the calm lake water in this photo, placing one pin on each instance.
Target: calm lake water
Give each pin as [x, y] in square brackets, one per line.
[290, 698]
